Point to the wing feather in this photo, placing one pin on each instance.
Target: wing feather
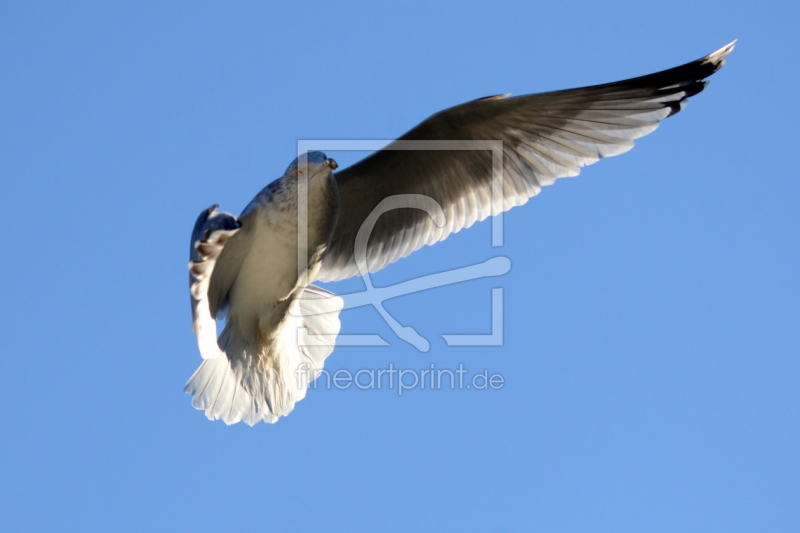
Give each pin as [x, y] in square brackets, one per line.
[211, 233]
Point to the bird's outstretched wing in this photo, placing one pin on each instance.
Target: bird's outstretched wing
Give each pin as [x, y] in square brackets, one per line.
[545, 137]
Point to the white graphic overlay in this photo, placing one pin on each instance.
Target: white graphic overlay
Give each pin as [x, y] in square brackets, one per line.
[375, 296]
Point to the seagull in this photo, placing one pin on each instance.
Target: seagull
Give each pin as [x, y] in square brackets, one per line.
[256, 271]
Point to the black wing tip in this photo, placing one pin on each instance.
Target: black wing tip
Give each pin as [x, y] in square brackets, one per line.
[689, 79]
[718, 58]
[714, 61]
[223, 221]
[707, 65]
[697, 71]
[209, 221]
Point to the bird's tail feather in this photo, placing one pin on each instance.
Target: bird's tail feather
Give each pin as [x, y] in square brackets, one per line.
[258, 383]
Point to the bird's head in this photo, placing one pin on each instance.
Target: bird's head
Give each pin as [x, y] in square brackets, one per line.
[313, 165]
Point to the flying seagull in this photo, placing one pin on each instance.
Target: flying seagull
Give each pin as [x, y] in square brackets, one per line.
[245, 269]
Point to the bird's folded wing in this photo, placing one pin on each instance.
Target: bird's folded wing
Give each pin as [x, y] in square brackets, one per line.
[211, 232]
[544, 137]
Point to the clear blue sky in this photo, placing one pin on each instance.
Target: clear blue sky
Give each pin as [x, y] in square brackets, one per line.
[652, 312]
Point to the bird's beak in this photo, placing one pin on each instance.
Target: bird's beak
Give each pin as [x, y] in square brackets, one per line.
[331, 163]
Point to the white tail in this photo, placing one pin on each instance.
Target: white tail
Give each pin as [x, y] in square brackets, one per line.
[253, 383]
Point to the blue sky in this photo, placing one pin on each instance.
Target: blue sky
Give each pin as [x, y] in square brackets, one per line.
[652, 323]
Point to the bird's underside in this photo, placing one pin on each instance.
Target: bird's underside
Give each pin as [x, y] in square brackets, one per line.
[247, 267]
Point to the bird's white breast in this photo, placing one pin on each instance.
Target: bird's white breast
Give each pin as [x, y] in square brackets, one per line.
[268, 277]
[268, 274]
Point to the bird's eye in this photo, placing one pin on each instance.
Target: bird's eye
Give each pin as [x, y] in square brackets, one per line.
[301, 172]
